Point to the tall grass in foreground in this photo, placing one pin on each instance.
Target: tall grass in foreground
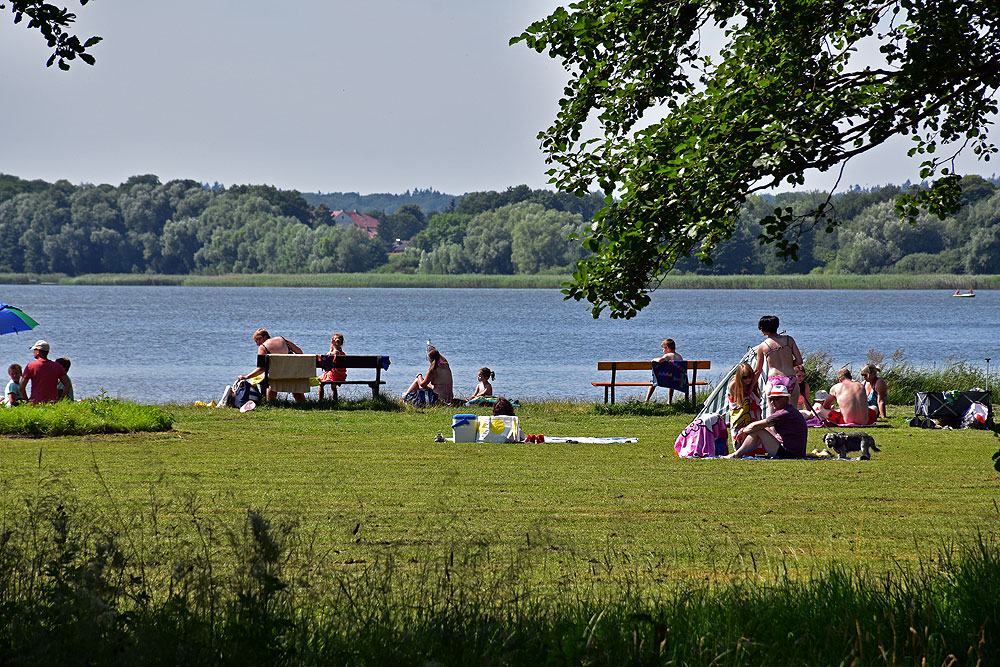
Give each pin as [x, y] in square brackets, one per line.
[79, 588]
[99, 414]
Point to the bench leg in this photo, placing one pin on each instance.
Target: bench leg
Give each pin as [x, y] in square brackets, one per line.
[694, 389]
[605, 395]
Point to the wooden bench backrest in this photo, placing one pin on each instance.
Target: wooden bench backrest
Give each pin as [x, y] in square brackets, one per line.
[646, 365]
[344, 361]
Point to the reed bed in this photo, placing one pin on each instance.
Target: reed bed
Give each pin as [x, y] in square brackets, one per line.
[902, 377]
[544, 281]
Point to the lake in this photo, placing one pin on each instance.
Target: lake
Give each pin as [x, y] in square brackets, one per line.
[182, 344]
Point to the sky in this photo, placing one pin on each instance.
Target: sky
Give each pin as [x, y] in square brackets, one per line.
[311, 95]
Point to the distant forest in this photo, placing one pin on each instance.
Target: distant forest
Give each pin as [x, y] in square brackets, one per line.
[186, 227]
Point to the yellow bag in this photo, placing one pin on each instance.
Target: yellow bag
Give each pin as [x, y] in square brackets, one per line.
[499, 428]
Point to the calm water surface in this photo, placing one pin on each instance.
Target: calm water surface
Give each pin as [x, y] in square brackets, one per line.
[182, 344]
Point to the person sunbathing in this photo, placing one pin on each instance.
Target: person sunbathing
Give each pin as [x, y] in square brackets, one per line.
[852, 402]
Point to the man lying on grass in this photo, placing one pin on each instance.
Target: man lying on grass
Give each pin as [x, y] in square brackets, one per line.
[783, 434]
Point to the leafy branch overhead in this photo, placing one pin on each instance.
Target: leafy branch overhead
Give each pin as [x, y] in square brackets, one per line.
[685, 135]
[53, 23]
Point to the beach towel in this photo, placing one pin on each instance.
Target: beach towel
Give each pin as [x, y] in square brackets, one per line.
[291, 372]
[670, 374]
[584, 440]
[489, 400]
[705, 436]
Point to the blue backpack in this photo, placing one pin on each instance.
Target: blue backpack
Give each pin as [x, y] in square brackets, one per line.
[244, 391]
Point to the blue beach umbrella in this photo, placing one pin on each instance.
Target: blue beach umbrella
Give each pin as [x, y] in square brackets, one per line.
[13, 319]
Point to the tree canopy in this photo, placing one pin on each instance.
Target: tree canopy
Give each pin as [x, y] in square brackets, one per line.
[793, 87]
[53, 23]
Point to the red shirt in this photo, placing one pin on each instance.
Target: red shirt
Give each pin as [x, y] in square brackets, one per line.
[44, 375]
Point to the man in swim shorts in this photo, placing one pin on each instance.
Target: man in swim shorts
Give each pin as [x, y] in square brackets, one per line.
[783, 434]
[852, 402]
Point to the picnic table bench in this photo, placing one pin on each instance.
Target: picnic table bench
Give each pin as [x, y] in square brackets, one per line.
[375, 361]
[615, 366]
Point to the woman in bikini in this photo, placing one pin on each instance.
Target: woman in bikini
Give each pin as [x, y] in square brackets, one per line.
[875, 388]
[438, 380]
[782, 355]
[804, 391]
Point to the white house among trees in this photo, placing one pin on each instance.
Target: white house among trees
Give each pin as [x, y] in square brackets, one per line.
[347, 218]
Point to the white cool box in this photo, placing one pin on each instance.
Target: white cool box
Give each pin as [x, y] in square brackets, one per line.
[471, 428]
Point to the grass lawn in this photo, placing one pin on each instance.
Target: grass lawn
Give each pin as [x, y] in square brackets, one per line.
[366, 485]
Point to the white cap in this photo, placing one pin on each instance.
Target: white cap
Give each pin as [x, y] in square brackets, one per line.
[821, 395]
[777, 390]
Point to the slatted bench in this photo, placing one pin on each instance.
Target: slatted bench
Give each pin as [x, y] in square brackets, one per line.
[376, 361]
[615, 366]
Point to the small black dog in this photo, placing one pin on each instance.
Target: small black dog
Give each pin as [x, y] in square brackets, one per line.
[851, 442]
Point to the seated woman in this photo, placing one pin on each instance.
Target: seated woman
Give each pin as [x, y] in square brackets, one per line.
[875, 388]
[434, 387]
[804, 392]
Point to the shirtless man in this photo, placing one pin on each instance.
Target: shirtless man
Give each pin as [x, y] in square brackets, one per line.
[782, 355]
[852, 402]
[669, 354]
[276, 345]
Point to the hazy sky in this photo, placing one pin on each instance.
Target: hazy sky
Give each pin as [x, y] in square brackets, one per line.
[313, 95]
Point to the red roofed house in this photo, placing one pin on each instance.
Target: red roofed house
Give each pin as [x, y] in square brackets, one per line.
[367, 223]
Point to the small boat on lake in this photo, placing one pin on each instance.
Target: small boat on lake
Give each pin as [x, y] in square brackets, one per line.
[959, 293]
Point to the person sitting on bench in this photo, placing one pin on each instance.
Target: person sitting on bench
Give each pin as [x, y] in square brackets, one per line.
[669, 354]
[334, 374]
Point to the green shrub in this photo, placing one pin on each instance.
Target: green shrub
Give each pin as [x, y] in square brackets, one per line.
[88, 416]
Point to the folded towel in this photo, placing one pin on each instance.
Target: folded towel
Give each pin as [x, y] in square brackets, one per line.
[290, 366]
[292, 386]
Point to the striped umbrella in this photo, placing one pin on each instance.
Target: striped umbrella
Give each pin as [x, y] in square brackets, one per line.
[13, 319]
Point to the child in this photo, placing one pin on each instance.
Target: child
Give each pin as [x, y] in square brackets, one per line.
[60, 387]
[669, 354]
[12, 394]
[744, 402]
[334, 374]
[484, 388]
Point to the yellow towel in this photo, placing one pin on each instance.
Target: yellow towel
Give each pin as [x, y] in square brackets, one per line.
[291, 372]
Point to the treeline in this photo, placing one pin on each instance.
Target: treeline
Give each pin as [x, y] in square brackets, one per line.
[184, 227]
[428, 200]
[870, 238]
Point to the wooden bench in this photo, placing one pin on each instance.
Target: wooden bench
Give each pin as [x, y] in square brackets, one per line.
[615, 366]
[343, 361]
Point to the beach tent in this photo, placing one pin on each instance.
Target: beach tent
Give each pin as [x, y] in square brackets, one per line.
[716, 401]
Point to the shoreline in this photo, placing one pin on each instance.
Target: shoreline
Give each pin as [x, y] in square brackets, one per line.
[947, 282]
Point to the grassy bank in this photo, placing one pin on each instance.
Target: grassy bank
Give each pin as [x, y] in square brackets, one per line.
[372, 484]
[308, 536]
[831, 281]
